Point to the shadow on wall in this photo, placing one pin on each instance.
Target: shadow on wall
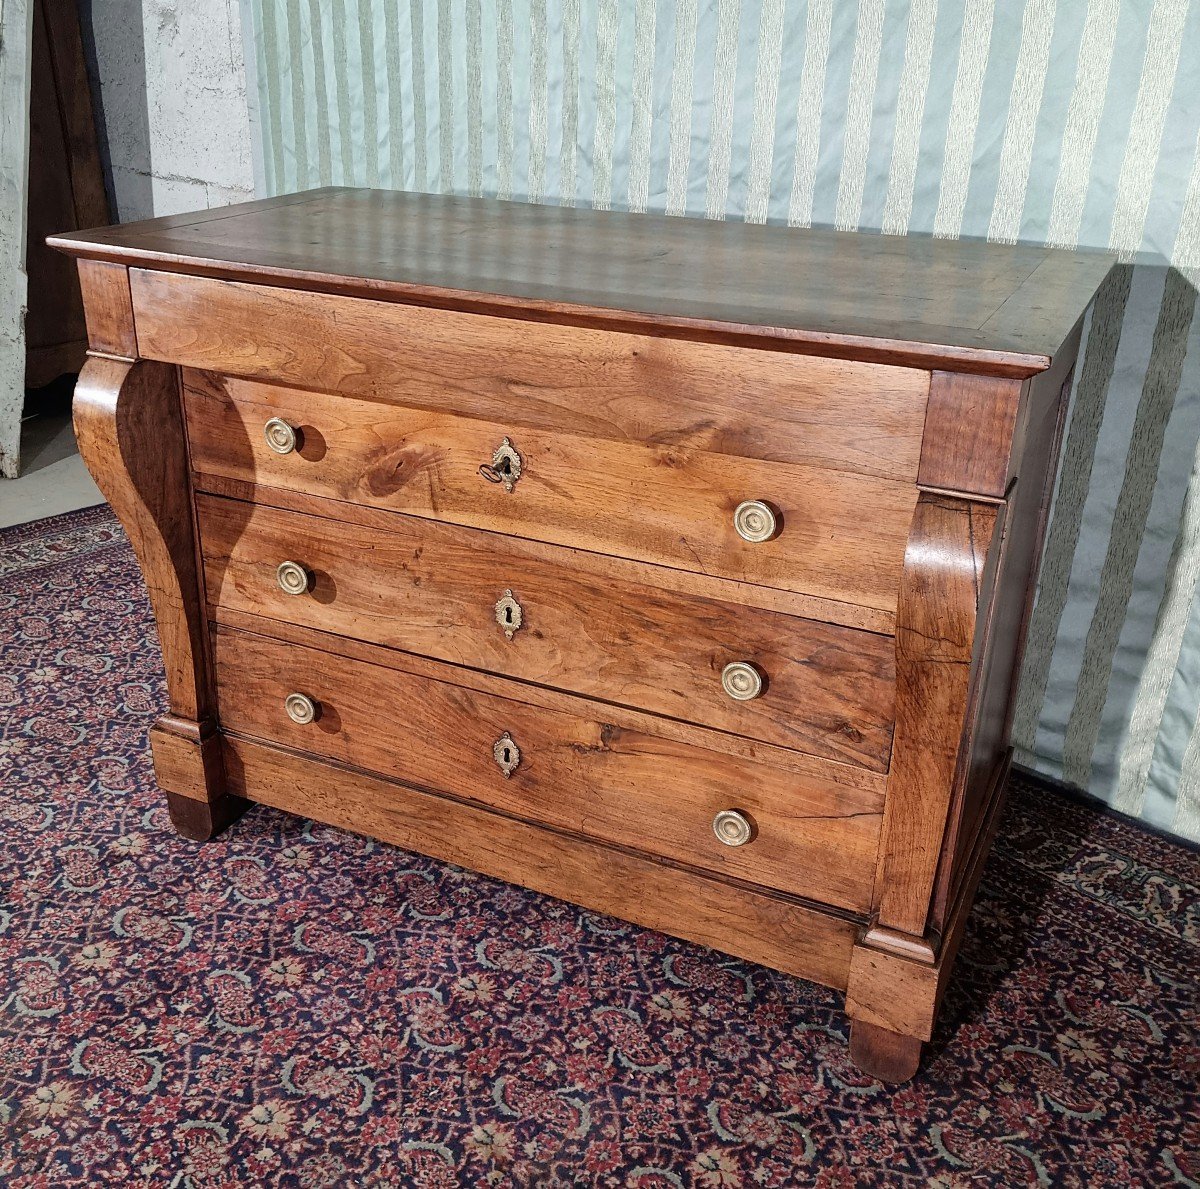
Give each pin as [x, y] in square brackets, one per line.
[123, 111]
[1105, 703]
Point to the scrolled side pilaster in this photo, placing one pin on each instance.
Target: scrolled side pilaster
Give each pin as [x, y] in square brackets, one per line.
[129, 425]
[951, 544]
[895, 967]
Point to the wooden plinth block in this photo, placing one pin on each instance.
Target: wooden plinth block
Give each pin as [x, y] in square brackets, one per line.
[888, 991]
[888, 1056]
[189, 769]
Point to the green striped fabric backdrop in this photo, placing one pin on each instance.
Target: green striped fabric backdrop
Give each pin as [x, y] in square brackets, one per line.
[1072, 123]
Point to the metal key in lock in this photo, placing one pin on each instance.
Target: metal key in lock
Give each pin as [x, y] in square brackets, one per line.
[505, 466]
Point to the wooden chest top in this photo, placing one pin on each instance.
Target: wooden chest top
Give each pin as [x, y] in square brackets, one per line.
[956, 305]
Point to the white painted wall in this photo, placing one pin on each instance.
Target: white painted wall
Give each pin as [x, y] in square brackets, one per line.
[16, 24]
[174, 131]
[173, 107]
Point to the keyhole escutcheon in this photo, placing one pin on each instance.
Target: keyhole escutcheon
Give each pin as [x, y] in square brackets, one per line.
[508, 614]
[506, 754]
[505, 467]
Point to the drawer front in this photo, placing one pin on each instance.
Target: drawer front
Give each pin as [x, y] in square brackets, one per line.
[810, 837]
[865, 418]
[440, 590]
[840, 536]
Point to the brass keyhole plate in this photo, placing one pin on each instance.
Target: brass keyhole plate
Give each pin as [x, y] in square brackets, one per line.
[506, 754]
[508, 613]
[506, 463]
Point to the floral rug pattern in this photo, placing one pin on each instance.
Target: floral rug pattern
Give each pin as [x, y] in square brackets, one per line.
[291, 1005]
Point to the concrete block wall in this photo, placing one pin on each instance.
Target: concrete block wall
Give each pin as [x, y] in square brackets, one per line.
[170, 97]
[171, 102]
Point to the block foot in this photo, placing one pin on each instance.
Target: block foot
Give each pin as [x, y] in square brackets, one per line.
[198, 821]
[885, 1055]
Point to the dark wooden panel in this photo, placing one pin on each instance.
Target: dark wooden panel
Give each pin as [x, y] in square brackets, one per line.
[737, 919]
[66, 190]
[914, 300]
[969, 434]
[74, 106]
[999, 666]
[109, 309]
[433, 588]
[813, 838]
[590, 493]
[627, 387]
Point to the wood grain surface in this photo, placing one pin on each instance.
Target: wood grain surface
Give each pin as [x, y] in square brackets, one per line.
[618, 569]
[108, 309]
[948, 573]
[735, 918]
[582, 774]
[627, 387]
[130, 432]
[896, 400]
[1007, 612]
[969, 434]
[624, 717]
[963, 305]
[433, 588]
[128, 420]
[889, 1056]
[590, 493]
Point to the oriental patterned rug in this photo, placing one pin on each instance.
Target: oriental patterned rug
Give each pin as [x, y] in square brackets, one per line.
[295, 1006]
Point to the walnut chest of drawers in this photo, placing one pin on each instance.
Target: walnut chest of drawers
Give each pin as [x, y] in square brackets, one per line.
[678, 569]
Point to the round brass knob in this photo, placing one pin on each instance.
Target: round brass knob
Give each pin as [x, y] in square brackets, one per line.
[292, 578]
[741, 681]
[280, 436]
[300, 708]
[733, 827]
[755, 521]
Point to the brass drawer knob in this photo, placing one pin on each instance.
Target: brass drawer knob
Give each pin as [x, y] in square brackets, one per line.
[741, 681]
[506, 754]
[280, 436]
[755, 521]
[300, 708]
[292, 577]
[733, 827]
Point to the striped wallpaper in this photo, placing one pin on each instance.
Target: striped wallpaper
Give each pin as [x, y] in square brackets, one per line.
[1071, 123]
